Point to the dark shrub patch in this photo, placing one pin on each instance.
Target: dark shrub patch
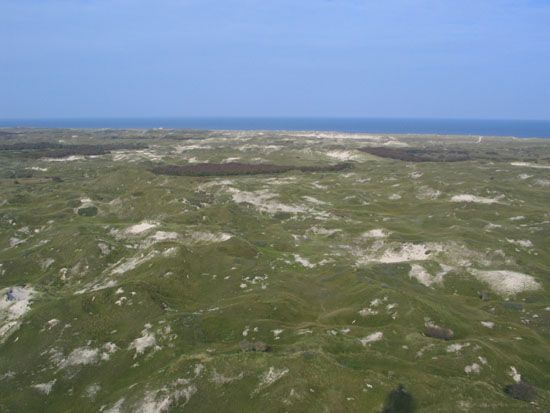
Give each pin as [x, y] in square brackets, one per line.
[89, 211]
[419, 155]
[399, 401]
[56, 150]
[440, 333]
[521, 391]
[236, 168]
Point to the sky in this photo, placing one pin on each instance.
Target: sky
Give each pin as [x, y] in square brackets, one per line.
[482, 59]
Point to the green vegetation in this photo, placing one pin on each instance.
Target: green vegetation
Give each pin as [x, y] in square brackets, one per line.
[385, 285]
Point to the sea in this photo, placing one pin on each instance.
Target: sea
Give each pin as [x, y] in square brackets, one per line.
[474, 127]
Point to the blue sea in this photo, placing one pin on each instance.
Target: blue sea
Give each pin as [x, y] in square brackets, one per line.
[517, 128]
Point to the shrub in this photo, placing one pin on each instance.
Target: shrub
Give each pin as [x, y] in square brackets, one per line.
[399, 401]
[439, 332]
[521, 391]
[419, 154]
[236, 168]
[88, 211]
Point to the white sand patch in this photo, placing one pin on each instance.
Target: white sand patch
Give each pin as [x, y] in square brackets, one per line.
[115, 408]
[183, 148]
[215, 183]
[177, 395]
[424, 277]
[304, 262]
[277, 333]
[80, 356]
[416, 175]
[517, 218]
[37, 168]
[403, 253]
[14, 241]
[92, 390]
[128, 264]
[395, 143]
[545, 183]
[220, 379]
[44, 388]
[67, 159]
[108, 349]
[367, 311]
[455, 348]
[317, 185]
[142, 343]
[375, 233]
[46, 263]
[265, 201]
[314, 200]
[271, 376]
[194, 159]
[160, 236]
[425, 192]
[229, 160]
[97, 287]
[324, 231]
[514, 374]
[84, 203]
[488, 324]
[530, 165]
[140, 228]
[371, 338]
[525, 243]
[467, 198]
[336, 135]
[473, 368]
[394, 197]
[261, 148]
[342, 155]
[209, 237]
[523, 177]
[507, 282]
[376, 302]
[52, 323]
[15, 302]
[136, 155]
[276, 181]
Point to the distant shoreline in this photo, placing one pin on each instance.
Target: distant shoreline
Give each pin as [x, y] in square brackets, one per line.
[464, 127]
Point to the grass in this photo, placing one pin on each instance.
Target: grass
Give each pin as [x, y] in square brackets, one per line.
[199, 297]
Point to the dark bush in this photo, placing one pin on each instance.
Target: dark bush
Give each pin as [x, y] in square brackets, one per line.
[399, 401]
[236, 168]
[261, 346]
[56, 150]
[89, 211]
[522, 391]
[484, 295]
[418, 154]
[440, 333]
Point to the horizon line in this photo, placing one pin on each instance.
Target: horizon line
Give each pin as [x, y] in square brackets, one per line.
[332, 117]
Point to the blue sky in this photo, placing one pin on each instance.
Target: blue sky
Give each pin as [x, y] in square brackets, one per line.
[383, 58]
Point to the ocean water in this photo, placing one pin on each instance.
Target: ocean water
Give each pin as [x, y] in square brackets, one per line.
[517, 128]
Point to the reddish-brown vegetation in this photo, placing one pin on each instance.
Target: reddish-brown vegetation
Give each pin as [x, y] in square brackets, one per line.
[418, 154]
[236, 168]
